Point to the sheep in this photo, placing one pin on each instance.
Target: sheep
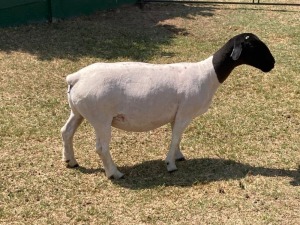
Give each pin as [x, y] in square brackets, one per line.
[138, 97]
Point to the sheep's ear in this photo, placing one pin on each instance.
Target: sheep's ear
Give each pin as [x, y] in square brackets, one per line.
[236, 52]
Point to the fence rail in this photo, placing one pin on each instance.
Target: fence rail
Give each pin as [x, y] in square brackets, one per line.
[253, 2]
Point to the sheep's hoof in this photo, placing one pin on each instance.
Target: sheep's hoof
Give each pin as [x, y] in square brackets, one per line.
[70, 164]
[172, 171]
[180, 159]
[116, 176]
[171, 168]
[75, 166]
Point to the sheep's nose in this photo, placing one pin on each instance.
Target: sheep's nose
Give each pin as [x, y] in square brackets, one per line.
[269, 67]
[273, 61]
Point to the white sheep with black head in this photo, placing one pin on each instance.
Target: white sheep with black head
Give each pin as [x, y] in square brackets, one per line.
[137, 97]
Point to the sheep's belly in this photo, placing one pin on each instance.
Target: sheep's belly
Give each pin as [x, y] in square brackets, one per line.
[140, 124]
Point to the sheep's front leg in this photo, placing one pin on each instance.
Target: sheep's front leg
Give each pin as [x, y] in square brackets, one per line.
[102, 148]
[174, 153]
[67, 132]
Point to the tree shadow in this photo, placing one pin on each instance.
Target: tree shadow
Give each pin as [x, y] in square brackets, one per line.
[128, 32]
[151, 174]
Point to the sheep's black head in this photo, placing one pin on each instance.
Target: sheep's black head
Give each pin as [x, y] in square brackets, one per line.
[249, 49]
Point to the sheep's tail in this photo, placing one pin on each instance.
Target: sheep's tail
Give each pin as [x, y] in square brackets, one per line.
[73, 78]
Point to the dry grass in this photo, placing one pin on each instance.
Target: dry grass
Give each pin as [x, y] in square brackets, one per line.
[242, 156]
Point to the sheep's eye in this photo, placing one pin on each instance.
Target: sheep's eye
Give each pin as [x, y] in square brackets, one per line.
[247, 37]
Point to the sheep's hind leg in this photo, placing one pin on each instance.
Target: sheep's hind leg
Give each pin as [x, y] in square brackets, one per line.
[178, 154]
[67, 132]
[103, 134]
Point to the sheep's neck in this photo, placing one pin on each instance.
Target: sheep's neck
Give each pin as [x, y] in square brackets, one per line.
[222, 62]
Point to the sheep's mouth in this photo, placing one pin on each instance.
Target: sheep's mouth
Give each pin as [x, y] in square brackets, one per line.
[268, 68]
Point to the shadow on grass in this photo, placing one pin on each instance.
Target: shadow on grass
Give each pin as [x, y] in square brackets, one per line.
[89, 170]
[151, 174]
[128, 33]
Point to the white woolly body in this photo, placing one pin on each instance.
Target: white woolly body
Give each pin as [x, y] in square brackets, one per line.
[141, 96]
